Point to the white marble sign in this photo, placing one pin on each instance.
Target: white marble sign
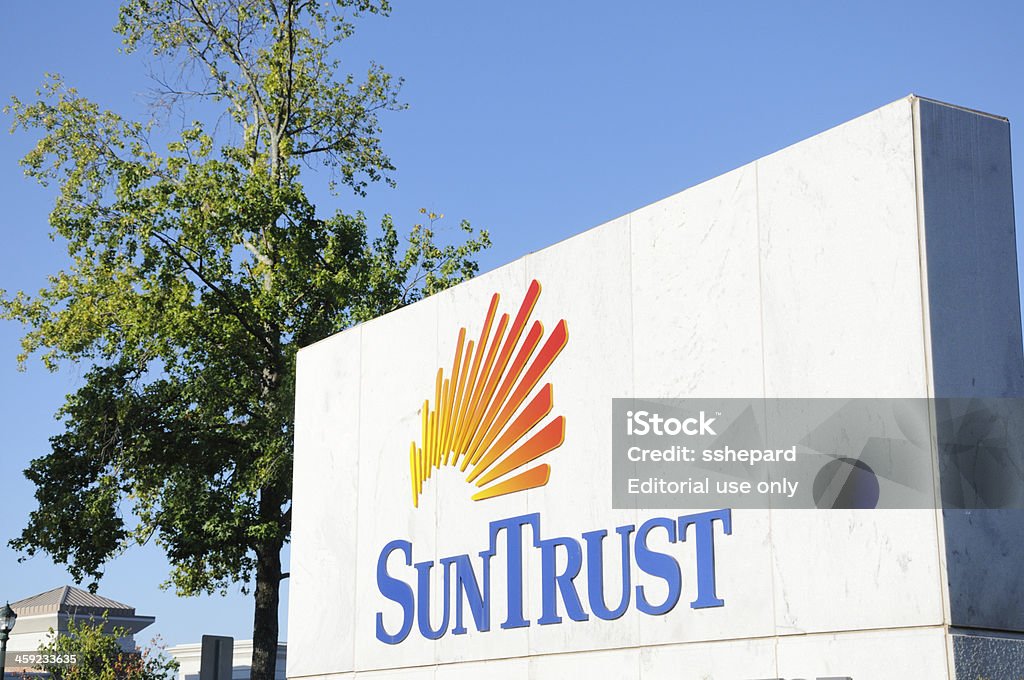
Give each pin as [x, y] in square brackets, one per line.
[848, 265]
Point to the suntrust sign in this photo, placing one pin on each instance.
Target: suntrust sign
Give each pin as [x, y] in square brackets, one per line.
[437, 532]
[465, 583]
[479, 415]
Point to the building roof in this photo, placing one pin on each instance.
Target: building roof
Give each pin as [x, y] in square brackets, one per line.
[71, 600]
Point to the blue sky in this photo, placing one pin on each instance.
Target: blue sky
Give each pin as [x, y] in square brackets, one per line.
[535, 120]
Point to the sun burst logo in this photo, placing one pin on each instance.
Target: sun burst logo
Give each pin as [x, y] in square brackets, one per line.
[473, 424]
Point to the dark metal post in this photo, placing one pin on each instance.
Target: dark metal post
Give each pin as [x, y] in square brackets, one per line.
[7, 619]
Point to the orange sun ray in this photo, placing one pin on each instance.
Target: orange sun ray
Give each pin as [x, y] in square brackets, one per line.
[548, 439]
[539, 407]
[530, 479]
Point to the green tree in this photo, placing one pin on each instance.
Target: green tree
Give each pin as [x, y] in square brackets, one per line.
[93, 648]
[196, 272]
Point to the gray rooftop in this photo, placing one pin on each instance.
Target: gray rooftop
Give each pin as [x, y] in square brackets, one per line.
[68, 599]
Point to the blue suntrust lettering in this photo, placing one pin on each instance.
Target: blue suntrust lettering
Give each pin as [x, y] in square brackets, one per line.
[468, 581]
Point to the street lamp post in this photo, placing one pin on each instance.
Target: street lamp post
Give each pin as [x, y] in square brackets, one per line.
[7, 619]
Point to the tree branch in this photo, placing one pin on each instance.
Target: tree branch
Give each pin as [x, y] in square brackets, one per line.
[233, 309]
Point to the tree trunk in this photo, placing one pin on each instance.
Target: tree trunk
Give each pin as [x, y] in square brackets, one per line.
[264, 627]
